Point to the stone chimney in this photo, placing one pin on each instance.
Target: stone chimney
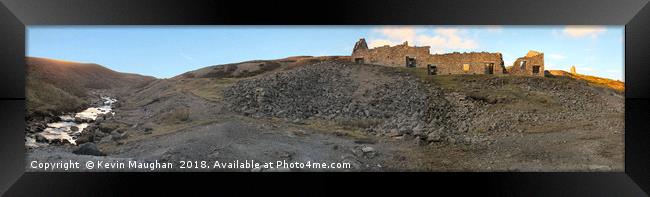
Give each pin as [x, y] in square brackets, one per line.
[360, 45]
[573, 70]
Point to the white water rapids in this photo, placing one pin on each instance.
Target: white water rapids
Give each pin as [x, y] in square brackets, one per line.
[71, 126]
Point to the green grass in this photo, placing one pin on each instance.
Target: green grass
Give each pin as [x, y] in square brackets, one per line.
[508, 96]
[615, 85]
[44, 98]
[211, 89]
[358, 123]
[175, 116]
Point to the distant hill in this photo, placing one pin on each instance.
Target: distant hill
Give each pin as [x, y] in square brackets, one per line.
[70, 75]
[56, 85]
[255, 67]
[619, 86]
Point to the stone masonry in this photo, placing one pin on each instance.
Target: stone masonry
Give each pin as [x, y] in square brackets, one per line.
[531, 64]
[404, 55]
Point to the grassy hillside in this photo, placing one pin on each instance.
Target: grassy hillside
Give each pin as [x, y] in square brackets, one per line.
[44, 98]
[75, 77]
[501, 92]
[256, 67]
[54, 86]
[616, 85]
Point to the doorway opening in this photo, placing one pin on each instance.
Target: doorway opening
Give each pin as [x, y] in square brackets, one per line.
[410, 62]
[432, 69]
[489, 68]
[536, 69]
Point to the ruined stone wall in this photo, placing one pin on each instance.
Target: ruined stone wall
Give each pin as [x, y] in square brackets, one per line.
[360, 46]
[393, 56]
[453, 63]
[532, 59]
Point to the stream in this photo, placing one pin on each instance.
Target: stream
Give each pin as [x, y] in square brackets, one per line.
[70, 126]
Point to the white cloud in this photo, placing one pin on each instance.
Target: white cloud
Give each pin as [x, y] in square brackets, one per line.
[398, 33]
[440, 39]
[556, 56]
[583, 31]
[451, 38]
[379, 42]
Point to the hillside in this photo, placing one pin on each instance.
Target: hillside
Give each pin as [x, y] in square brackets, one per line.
[376, 118]
[408, 100]
[616, 85]
[255, 67]
[55, 86]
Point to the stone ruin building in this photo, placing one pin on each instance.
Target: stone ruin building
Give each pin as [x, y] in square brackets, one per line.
[446, 64]
[531, 64]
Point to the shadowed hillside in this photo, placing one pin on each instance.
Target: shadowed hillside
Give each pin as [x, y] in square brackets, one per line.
[56, 86]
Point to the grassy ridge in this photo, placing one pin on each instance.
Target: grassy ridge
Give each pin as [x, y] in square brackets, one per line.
[616, 85]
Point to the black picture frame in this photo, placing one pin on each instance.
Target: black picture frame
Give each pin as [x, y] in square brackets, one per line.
[634, 14]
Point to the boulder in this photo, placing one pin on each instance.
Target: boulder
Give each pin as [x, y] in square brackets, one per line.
[85, 138]
[88, 149]
[121, 130]
[107, 127]
[367, 149]
[98, 133]
[40, 138]
[106, 139]
[394, 133]
[417, 131]
[434, 137]
[115, 135]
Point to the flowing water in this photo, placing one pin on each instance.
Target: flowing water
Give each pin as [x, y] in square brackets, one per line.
[71, 126]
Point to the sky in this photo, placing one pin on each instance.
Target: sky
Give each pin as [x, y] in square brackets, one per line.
[167, 51]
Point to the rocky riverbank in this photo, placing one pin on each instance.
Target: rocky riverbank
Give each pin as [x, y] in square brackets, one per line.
[68, 127]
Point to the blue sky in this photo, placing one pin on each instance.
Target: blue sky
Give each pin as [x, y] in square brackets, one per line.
[166, 51]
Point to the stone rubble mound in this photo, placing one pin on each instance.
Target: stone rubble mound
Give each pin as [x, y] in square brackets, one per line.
[396, 104]
[385, 101]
